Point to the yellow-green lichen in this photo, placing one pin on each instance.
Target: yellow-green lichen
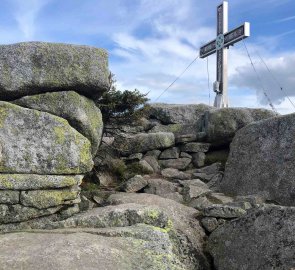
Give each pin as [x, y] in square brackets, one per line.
[167, 228]
[47, 198]
[3, 115]
[5, 183]
[153, 214]
[60, 134]
[85, 154]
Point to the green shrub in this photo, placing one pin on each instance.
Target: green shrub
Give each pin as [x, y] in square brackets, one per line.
[121, 105]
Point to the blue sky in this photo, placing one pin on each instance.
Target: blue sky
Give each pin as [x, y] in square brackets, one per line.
[150, 42]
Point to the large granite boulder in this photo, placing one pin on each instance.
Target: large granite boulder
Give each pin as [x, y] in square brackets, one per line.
[261, 161]
[37, 67]
[263, 239]
[154, 233]
[36, 142]
[221, 125]
[185, 229]
[81, 112]
[143, 142]
[177, 113]
[126, 248]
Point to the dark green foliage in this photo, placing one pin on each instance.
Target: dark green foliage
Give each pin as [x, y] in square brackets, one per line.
[124, 105]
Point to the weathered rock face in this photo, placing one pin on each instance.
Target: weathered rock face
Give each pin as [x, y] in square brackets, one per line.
[189, 235]
[179, 163]
[143, 142]
[178, 114]
[178, 130]
[263, 239]
[40, 143]
[81, 113]
[262, 159]
[37, 67]
[135, 247]
[42, 199]
[221, 125]
[17, 213]
[35, 181]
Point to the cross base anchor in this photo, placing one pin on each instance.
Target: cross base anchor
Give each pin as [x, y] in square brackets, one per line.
[219, 101]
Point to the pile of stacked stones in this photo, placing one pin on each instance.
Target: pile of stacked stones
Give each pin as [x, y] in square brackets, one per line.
[50, 128]
[181, 151]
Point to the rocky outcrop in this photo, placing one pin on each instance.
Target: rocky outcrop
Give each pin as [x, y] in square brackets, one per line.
[221, 125]
[81, 112]
[263, 239]
[261, 161]
[48, 139]
[37, 67]
[40, 143]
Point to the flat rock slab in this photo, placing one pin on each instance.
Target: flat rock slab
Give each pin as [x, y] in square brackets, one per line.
[182, 132]
[223, 211]
[143, 142]
[42, 199]
[37, 67]
[195, 147]
[9, 196]
[81, 112]
[130, 248]
[263, 239]
[178, 113]
[175, 174]
[135, 184]
[17, 213]
[36, 142]
[35, 181]
[262, 159]
[179, 163]
[170, 153]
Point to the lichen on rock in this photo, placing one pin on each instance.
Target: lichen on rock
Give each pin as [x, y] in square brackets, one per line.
[40, 143]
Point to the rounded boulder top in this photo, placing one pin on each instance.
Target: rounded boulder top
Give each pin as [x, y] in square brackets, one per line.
[30, 68]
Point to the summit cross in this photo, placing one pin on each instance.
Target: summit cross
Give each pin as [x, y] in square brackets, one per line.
[220, 45]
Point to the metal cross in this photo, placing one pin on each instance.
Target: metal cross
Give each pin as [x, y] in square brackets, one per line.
[220, 45]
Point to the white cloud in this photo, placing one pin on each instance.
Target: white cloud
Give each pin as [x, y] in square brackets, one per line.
[278, 72]
[25, 15]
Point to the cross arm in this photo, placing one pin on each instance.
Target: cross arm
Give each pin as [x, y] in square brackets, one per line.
[230, 38]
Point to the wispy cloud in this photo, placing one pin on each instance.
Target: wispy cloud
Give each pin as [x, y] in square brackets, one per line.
[26, 13]
[286, 19]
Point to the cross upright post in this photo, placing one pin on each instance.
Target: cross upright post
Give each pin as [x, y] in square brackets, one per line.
[220, 45]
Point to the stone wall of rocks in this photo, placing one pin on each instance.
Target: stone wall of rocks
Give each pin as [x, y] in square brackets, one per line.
[174, 142]
[50, 133]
